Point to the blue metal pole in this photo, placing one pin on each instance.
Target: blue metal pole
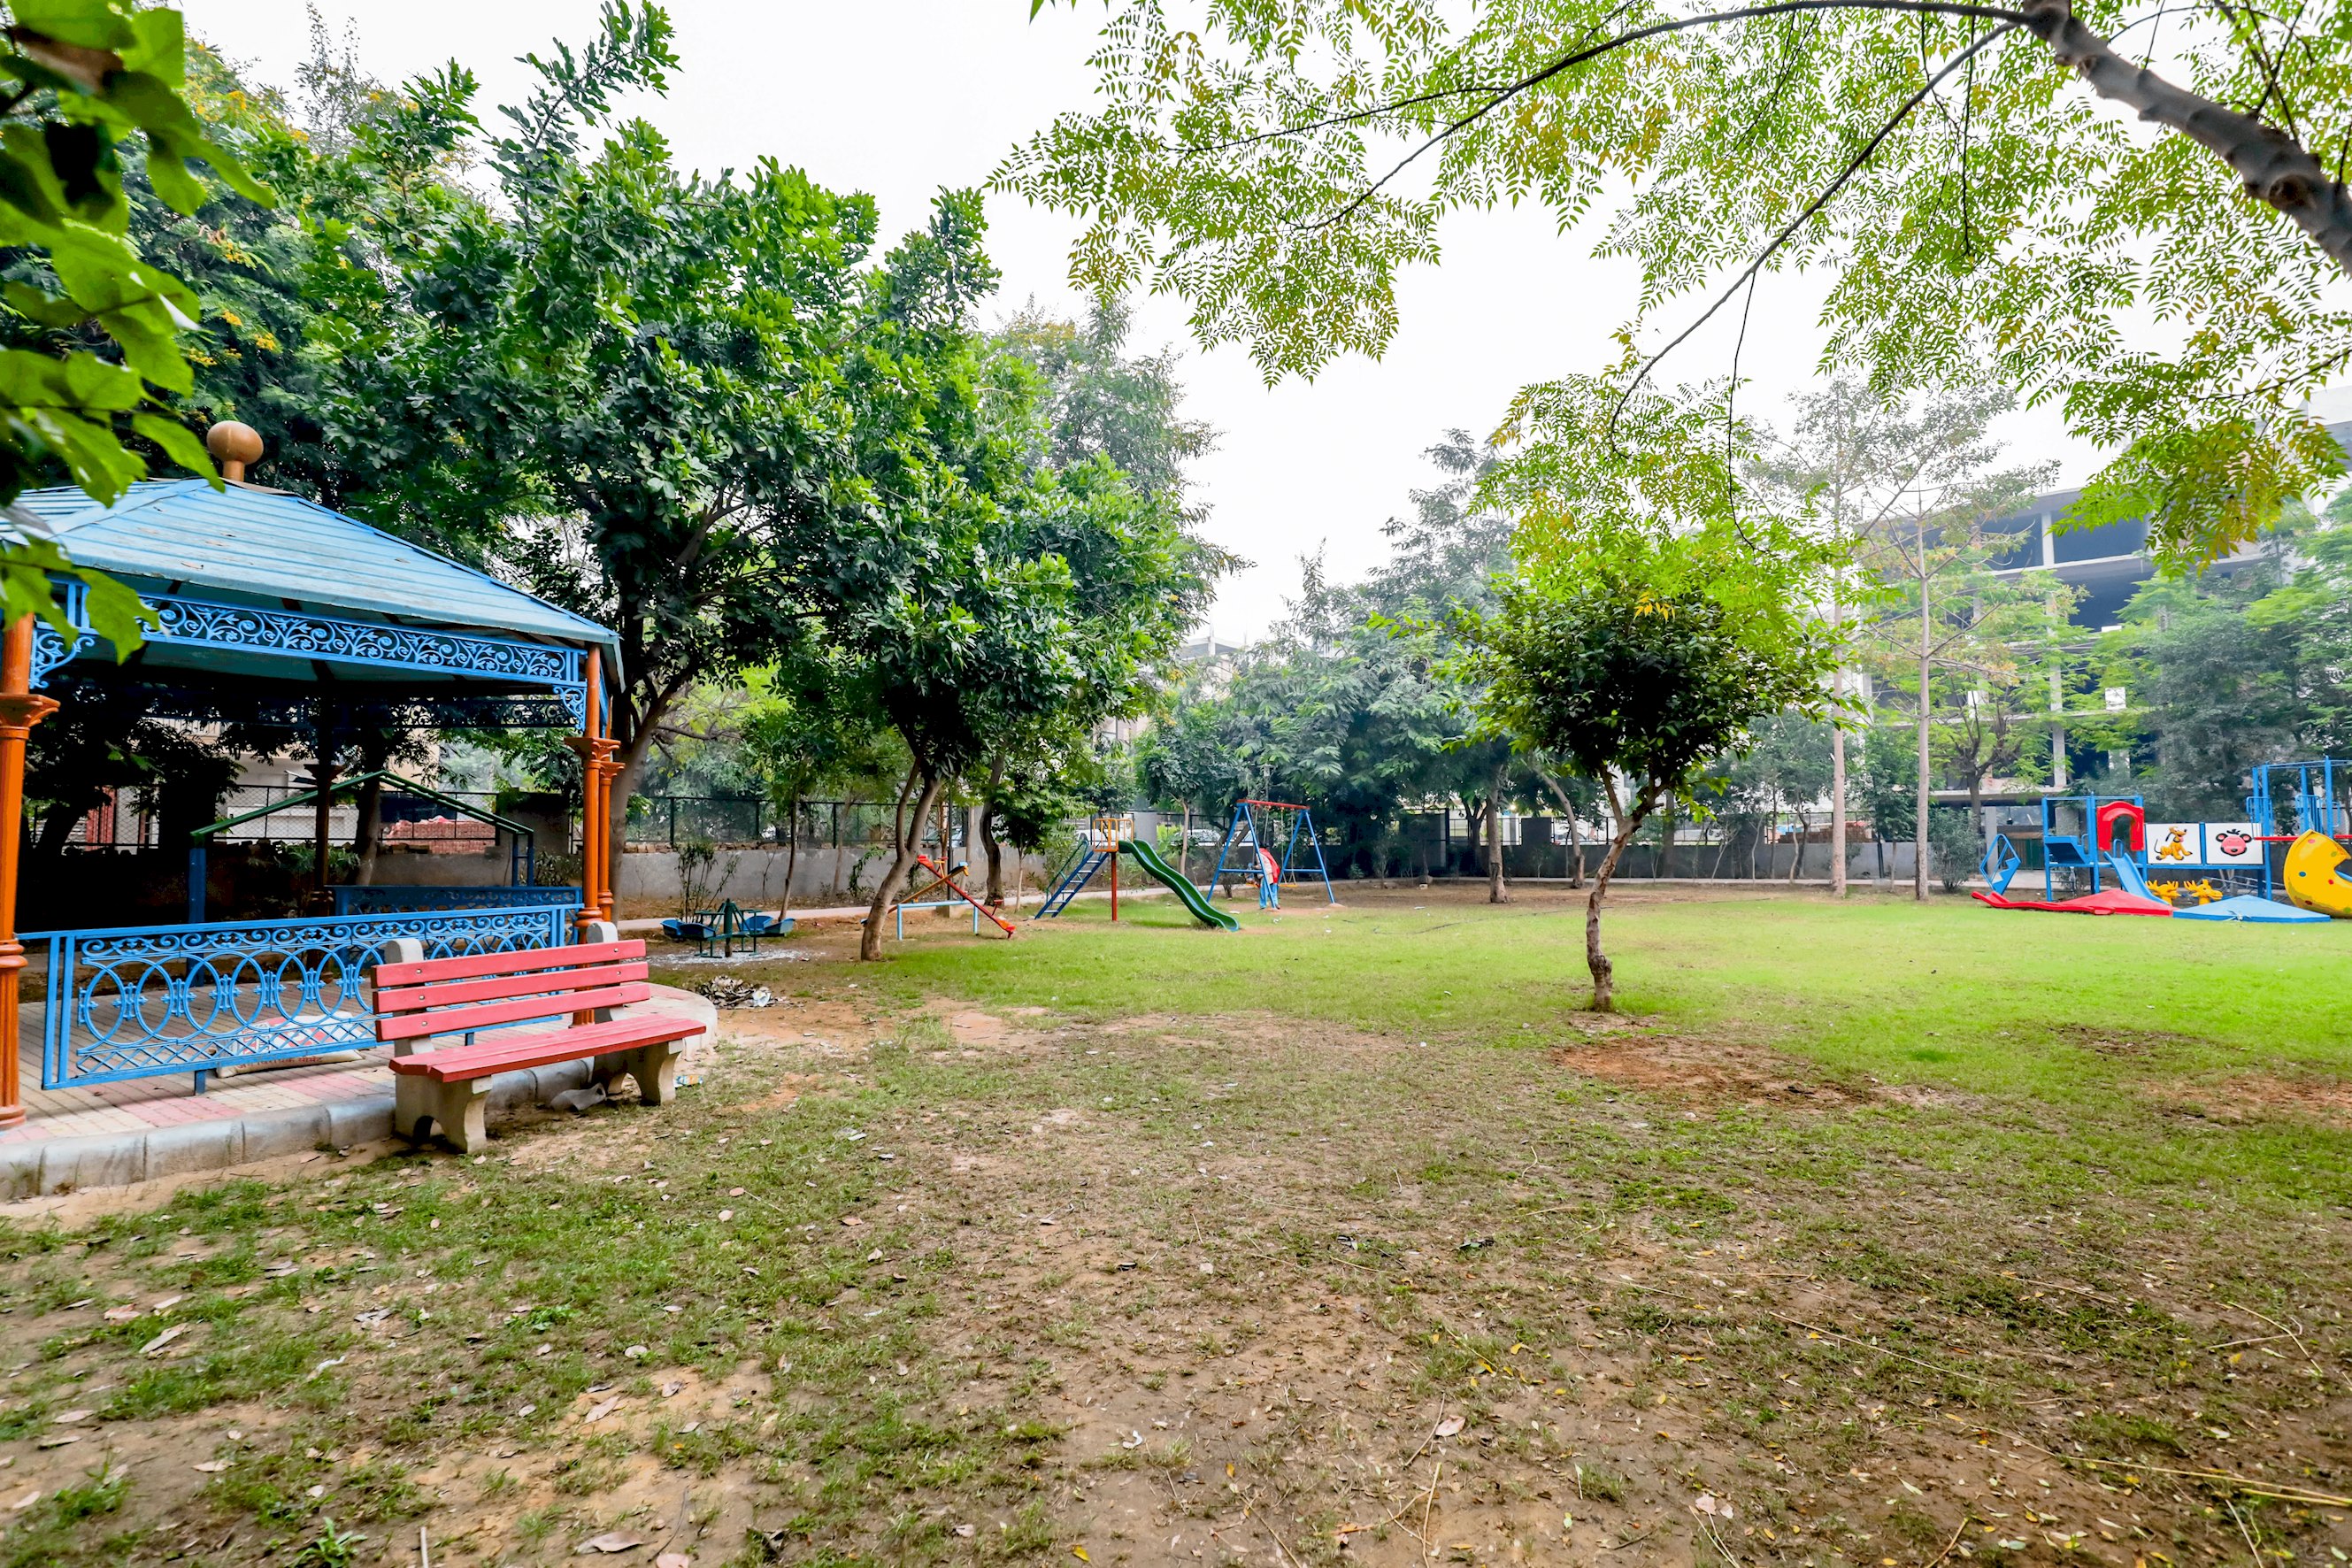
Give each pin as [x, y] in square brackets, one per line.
[1316, 839]
[1225, 843]
[197, 883]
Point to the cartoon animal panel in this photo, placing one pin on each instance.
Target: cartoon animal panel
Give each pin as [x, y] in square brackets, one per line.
[2232, 843]
[2176, 843]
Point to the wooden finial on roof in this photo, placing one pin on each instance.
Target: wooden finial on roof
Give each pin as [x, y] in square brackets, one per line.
[233, 446]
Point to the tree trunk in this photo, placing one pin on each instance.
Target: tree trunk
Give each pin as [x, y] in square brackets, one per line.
[1919, 825]
[1184, 849]
[886, 892]
[1837, 812]
[1976, 814]
[1575, 833]
[1796, 861]
[1604, 997]
[631, 756]
[367, 838]
[988, 835]
[898, 813]
[1496, 893]
[792, 855]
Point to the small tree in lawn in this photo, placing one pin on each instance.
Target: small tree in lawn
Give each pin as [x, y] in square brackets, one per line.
[1650, 624]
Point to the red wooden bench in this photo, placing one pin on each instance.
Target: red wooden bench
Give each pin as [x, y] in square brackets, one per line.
[420, 999]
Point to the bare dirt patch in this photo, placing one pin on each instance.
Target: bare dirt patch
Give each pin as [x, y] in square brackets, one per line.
[2246, 1097]
[1698, 1070]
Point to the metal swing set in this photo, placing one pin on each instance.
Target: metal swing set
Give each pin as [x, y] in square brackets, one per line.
[1272, 841]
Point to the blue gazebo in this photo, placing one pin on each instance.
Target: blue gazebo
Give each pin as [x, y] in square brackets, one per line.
[274, 610]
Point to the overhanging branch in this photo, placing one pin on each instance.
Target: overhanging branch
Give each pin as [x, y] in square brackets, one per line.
[2273, 166]
[1575, 58]
[1829, 193]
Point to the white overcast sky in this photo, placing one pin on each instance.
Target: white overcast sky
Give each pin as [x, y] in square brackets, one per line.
[901, 96]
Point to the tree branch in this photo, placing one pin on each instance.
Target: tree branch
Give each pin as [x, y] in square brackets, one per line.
[1854, 167]
[2275, 167]
[1656, 29]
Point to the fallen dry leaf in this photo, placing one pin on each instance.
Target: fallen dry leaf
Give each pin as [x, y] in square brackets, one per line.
[214, 1467]
[597, 1413]
[673, 1560]
[121, 1314]
[165, 1338]
[1447, 1427]
[611, 1541]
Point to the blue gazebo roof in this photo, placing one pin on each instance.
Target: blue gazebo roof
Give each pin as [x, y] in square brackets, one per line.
[259, 587]
[279, 546]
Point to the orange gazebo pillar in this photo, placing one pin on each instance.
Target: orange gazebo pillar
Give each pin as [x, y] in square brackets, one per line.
[596, 771]
[21, 707]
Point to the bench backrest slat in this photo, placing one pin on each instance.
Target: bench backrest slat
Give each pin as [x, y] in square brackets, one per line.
[490, 1015]
[487, 990]
[473, 965]
[499, 988]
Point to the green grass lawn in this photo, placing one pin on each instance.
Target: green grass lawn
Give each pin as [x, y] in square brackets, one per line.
[2022, 1010]
[1948, 993]
[1873, 1234]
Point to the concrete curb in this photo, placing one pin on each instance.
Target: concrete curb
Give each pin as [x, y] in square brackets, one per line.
[55, 1165]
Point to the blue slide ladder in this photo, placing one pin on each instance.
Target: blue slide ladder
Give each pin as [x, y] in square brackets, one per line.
[1089, 860]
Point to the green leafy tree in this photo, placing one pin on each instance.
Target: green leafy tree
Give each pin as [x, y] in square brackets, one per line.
[1790, 753]
[92, 326]
[649, 363]
[1088, 409]
[1916, 530]
[1652, 624]
[1968, 174]
[2220, 677]
[989, 598]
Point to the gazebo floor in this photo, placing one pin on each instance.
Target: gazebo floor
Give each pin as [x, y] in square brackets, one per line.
[137, 1105]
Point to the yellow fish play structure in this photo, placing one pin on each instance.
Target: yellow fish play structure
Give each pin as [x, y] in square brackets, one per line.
[2313, 876]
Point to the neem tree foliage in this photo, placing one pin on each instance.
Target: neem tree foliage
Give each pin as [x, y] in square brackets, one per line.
[1972, 174]
[1653, 623]
[90, 330]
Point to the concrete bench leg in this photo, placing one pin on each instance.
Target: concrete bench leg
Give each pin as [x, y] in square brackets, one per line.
[655, 1069]
[456, 1110]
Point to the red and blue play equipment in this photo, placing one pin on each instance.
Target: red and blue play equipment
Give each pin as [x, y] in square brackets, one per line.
[2109, 820]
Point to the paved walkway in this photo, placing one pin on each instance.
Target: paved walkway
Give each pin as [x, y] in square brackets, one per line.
[138, 1104]
[112, 1134]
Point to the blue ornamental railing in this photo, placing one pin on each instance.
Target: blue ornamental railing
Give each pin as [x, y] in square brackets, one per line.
[157, 1001]
[384, 900]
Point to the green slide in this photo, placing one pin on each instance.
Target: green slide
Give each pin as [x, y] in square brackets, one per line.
[1207, 913]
